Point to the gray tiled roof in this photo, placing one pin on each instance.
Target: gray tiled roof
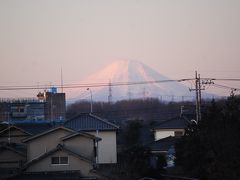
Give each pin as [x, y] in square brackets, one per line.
[89, 122]
[34, 128]
[174, 123]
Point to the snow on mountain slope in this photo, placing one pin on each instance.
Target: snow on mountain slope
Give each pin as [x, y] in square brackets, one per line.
[131, 71]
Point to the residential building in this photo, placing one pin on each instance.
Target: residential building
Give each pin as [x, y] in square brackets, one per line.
[107, 147]
[172, 127]
[165, 147]
[13, 152]
[12, 156]
[62, 150]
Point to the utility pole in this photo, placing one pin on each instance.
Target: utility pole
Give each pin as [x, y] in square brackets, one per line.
[198, 89]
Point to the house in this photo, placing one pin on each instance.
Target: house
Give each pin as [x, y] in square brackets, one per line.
[61, 150]
[92, 124]
[172, 127]
[12, 155]
[13, 134]
[165, 147]
[13, 152]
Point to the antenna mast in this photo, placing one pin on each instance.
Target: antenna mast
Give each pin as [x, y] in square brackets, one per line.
[61, 80]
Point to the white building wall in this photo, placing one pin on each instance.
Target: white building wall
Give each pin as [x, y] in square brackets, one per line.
[163, 134]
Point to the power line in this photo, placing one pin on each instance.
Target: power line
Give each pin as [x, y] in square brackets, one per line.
[70, 86]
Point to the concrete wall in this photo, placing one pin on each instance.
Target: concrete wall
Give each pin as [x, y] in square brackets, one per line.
[163, 133]
[74, 164]
[81, 145]
[45, 143]
[107, 147]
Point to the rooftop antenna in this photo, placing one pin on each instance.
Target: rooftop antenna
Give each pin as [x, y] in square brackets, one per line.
[61, 80]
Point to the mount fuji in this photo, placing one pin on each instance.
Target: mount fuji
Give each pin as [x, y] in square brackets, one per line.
[125, 71]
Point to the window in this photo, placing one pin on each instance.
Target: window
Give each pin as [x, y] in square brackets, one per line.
[178, 133]
[62, 160]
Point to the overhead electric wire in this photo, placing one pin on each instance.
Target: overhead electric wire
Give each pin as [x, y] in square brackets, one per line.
[226, 87]
[70, 86]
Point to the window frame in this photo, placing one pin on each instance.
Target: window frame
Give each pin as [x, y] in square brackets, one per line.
[59, 160]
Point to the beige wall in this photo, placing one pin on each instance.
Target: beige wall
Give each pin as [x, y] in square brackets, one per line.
[10, 156]
[163, 133]
[45, 143]
[107, 147]
[16, 136]
[75, 163]
[81, 145]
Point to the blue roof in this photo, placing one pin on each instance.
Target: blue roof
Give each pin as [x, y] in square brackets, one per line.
[89, 122]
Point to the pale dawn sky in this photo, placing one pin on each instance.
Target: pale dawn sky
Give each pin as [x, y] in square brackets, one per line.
[175, 37]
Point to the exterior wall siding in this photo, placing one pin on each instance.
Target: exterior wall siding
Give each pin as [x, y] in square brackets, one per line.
[74, 164]
[81, 145]
[107, 147]
[45, 143]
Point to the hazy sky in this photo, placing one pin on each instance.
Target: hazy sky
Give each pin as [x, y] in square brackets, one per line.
[175, 37]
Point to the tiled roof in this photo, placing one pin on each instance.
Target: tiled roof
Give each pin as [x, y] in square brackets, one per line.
[14, 127]
[174, 123]
[89, 122]
[163, 144]
[34, 128]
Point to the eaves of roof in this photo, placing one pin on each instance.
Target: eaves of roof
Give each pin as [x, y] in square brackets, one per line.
[15, 127]
[46, 132]
[80, 134]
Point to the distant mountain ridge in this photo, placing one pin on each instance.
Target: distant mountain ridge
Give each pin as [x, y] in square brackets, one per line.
[132, 71]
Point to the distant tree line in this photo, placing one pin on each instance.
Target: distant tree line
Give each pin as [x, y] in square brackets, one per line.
[143, 109]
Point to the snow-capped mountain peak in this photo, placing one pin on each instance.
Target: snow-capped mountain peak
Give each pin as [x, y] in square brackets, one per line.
[131, 71]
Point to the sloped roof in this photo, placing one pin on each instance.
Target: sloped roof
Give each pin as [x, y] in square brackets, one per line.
[89, 122]
[46, 132]
[81, 134]
[58, 148]
[180, 122]
[17, 148]
[35, 128]
[14, 127]
[163, 144]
